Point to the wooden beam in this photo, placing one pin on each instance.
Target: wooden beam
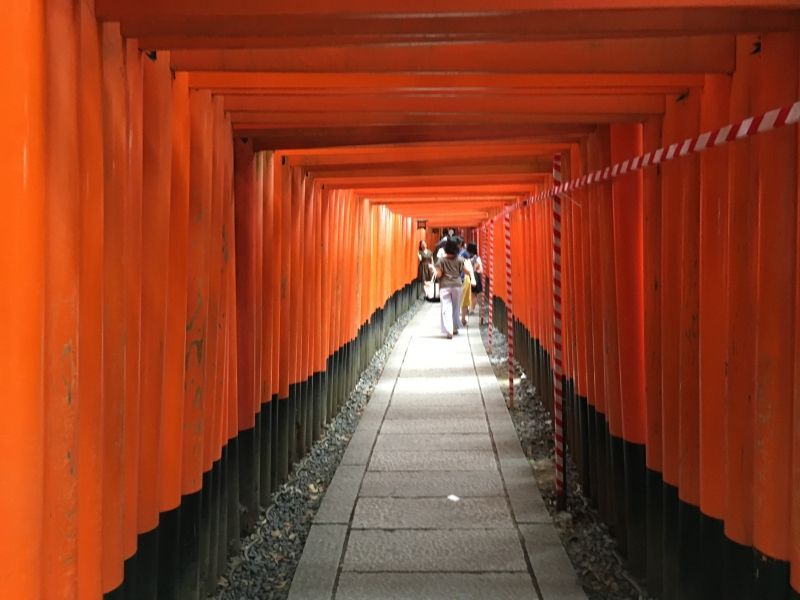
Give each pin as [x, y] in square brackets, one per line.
[409, 189]
[528, 181]
[296, 138]
[317, 120]
[378, 93]
[244, 106]
[527, 162]
[394, 198]
[419, 152]
[450, 209]
[444, 208]
[122, 10]
[221, 81]
[298, 31]
[538, 165]
[443, 222]
[685, 54]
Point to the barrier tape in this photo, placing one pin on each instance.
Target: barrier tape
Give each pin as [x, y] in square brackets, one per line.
[490, 287]
[509, 308]
[558, 367]
[748, 127]
[482, 250]
[772, 119]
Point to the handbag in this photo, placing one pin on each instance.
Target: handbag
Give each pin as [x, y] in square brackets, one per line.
[477, 285]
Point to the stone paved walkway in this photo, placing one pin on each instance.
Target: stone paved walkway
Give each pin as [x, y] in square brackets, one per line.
[434, 498]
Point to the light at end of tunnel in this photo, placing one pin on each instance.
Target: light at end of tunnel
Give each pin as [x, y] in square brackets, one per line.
[453, 498]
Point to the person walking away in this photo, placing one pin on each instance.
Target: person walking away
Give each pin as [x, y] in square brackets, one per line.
[466, 285]
[426, 270]
[449, 269]
[477, 282]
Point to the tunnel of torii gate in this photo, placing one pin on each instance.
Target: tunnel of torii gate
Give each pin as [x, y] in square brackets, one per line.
[210, 216]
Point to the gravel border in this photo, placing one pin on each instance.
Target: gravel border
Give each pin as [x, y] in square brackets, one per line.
[586, 538]
[264, 568]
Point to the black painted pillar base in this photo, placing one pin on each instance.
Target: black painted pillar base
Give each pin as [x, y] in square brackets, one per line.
[603, 474]
[117, 593]
[248, 475]
[275, 444]
[300, 420]
[636, 497]
[691, 576]
[585, 460]
[222, 527]
[214, 527]
[190, 547]
[233, 496]
[205, 528]
[619, 507]
[771, 578]
[265, 447]
[655, 528]
[713, 550]
[291, 427]
[593, 450]
[169, 554]
[671, 548]
[317, 419]
[309, 428]
[141, 570]
[740, 568]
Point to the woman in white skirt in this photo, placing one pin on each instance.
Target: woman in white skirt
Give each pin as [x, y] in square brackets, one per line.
[450, 269]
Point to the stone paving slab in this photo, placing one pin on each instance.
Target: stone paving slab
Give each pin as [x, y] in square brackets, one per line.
[411, 402]
[463, 425]
[473, 550]
[315, 577]
[337, 505]
[430, 442]
[420, 484]
[432, 513]
[432, 413]
[457, 370]
[524, 496]
[452, 460]
[358, 451]
[554, 572]
[435, 586]
[430, 387]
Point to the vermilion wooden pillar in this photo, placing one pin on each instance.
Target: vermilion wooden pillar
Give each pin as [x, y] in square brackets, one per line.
[22, 277]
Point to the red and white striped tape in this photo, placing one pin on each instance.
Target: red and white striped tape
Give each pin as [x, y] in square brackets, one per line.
[490, 287]
[482, 251]
[768, 121]
[509, 307]
[772, 119]
[558, 367]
